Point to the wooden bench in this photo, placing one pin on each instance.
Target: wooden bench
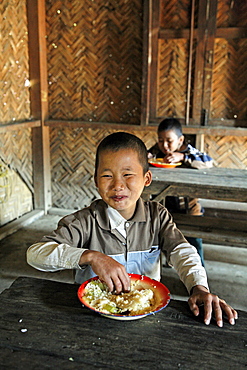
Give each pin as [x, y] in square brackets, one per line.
[224, 227]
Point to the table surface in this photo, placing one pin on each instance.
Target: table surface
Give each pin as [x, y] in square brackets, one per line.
[64, 335]
[213, 183]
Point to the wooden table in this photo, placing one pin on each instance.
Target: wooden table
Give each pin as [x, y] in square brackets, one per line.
[44, 326]
[213, 183]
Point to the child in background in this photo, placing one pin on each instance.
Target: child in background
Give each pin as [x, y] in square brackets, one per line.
[172, 148]
[120, 233]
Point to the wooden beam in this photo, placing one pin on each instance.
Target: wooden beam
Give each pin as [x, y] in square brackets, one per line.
[39, 103]
[225, 33]
[209, 130]
[19, 125]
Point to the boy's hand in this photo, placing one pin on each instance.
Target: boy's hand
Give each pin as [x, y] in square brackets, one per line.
[212, 304]
[108, 270]
[174, 157]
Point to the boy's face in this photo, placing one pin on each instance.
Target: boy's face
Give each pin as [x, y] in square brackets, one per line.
[169, 142]
[120, 180]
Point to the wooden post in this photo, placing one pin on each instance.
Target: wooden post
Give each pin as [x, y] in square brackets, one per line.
[147, 52]
[209, 58]
[154, 65]
[204, 60]
[191, 40]
[199, 64]
[39, 103]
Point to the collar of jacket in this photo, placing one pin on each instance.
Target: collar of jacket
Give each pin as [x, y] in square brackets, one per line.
[100, 207]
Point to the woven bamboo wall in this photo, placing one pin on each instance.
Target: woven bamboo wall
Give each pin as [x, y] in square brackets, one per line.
[95, 60]
[14, 95]
[172, 86]
[229, 98]
[15, 197]
[15, 146]
[227, 151]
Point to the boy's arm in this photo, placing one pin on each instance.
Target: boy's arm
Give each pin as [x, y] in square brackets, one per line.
[192, 157]
[186, 261]
[52, 256]
[196, 159]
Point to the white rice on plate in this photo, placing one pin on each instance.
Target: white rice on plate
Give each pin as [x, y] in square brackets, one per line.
[136, 302]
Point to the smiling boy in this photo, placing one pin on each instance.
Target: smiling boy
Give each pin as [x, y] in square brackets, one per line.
[121, 234]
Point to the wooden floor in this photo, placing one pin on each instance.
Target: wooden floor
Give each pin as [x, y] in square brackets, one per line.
[226, 266]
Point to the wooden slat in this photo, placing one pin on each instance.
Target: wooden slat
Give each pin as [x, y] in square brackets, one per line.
[19, 125]
[238, 131]
[225, 33]
[216, 230]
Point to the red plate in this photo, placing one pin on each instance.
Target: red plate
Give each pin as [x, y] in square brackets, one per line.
[161, 292]
[158, 162]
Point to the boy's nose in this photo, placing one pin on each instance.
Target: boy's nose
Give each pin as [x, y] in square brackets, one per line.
[165, 145]
[117, 184]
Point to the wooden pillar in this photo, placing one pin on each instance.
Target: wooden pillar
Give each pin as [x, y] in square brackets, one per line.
[204, 60]
[39, 103]
[150, 60]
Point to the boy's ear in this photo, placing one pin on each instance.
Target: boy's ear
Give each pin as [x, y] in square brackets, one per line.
[148, 178]
[95, 181]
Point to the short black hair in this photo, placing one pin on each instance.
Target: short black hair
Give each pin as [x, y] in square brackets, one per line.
[171, 124]
[123, 140]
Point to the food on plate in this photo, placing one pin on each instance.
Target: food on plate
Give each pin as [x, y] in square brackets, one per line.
[159, 162]
[137, 302]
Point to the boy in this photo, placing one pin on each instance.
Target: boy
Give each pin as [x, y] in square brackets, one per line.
[121, 234]
[172, 149]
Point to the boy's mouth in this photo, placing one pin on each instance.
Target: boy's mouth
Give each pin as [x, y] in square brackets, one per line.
[118, 198]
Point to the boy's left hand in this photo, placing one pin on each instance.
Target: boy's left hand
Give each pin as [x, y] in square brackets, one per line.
[212, 304]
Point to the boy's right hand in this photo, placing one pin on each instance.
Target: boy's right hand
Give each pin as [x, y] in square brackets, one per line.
[110, 271]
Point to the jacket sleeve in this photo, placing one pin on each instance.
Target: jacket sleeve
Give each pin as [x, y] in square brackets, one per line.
[51, 256]
[196, 159]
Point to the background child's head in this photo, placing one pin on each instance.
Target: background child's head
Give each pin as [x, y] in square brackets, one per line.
[170, 135]
[123, 140]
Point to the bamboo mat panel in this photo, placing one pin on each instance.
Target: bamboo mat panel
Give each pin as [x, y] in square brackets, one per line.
[15, 99]
[16, 152]
[175, 14]
[231, 13]
[229, 99]
[227, 151]
[15, 197]
[94, 51]
[172, 81]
